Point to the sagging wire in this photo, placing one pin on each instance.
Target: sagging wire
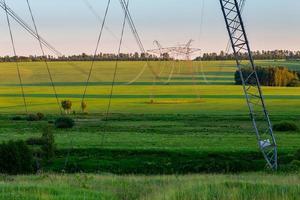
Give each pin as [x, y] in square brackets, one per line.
[44, 56]
[16, 57]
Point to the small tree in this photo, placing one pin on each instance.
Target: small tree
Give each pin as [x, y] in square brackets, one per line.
[48, 147]
[83, 106]
[67, 106]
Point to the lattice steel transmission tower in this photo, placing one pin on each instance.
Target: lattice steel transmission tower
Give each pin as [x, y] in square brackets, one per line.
[251, 84]
[182, 51]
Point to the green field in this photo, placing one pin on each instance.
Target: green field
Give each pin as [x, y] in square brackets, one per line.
[217, 93]
[109, 187]
[198, 122]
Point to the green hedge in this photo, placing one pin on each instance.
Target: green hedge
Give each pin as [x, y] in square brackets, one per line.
[151, 162]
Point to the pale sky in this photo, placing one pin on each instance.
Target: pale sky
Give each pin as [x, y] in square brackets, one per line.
[72, 28]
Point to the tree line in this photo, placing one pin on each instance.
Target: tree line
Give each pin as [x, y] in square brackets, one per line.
[85, 57]
[271, 76]
[258, 55]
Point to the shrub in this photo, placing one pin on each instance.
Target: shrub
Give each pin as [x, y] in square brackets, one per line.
[46, 143]
[285, 126]
[67, 106]
[16, 158]
[64, 122]
[41, 116]
[293, 166]
[32, 117]
[48, 146]
[17, 118]
[46, 150]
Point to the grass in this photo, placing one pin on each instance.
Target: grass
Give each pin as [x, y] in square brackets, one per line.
[206, 187]
[155, 144]
[177, 119]
[186, 125]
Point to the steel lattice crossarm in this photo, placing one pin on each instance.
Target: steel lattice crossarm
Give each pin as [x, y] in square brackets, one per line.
[251, 84]
[174, 50]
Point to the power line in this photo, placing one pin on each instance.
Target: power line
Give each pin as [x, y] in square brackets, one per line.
[91, 8]
[136, 34]
[44, 56]
[31, 31]
[22, 23]
[115, 72]
[16, 57]
[96, 50]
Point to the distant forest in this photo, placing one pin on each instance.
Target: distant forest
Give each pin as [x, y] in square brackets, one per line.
[258, 55]
[86, 57]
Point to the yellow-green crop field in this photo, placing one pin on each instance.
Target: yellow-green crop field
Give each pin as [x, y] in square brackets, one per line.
[206, 87]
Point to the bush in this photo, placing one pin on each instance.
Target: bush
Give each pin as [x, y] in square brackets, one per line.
[48, 146]
[46, 150]
[16, 118]
[32, 117]
[16, 158]
[41, 116]
[293, 166]
[285, 126]
[64, 122]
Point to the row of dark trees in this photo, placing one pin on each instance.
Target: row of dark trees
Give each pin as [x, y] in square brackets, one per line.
[86, 57]
[271, 76]
[258, 55]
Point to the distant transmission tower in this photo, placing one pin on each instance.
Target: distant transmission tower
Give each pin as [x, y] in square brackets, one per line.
[178, 52]
[178, 59]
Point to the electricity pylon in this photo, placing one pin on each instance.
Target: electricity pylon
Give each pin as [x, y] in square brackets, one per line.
[251, 84]
[182, 51]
